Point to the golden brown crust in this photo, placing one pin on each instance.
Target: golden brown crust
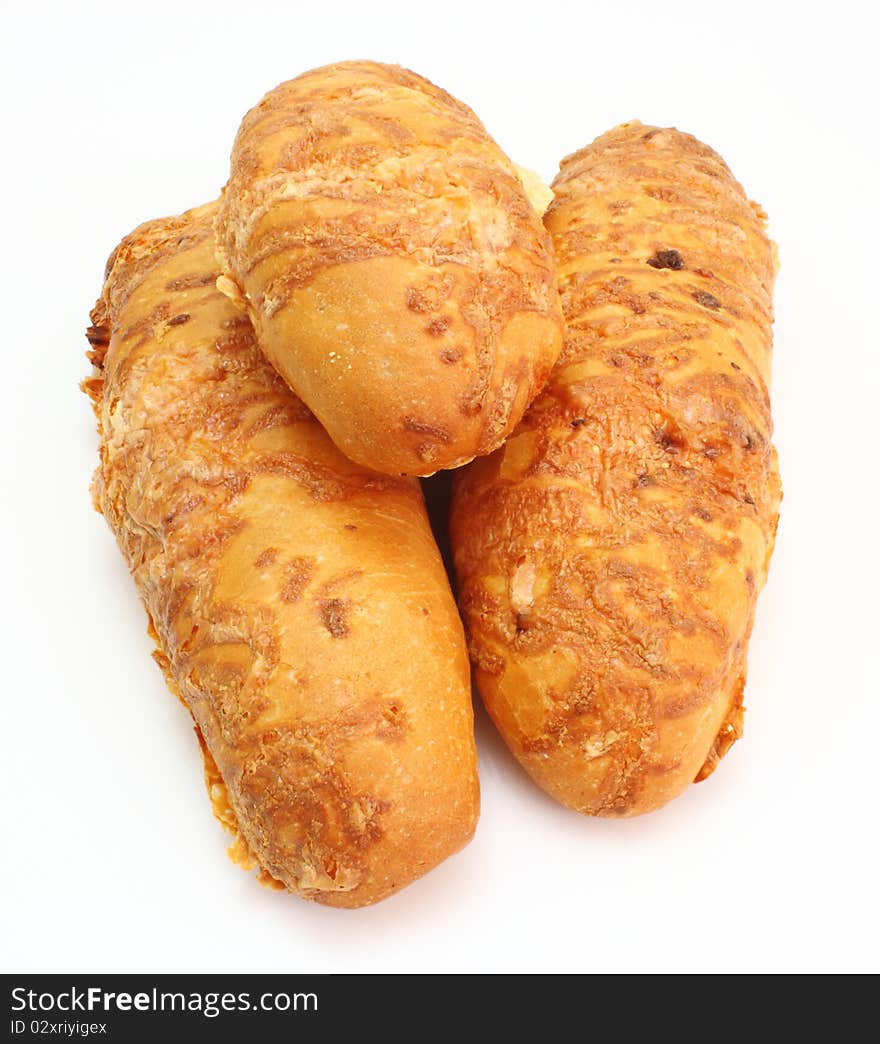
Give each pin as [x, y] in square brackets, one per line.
[396, 273]
[609, 557]
[298, 601]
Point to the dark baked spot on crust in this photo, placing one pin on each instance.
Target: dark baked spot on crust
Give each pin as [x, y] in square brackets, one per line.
[450, 355]
[437, 327]
[334, 616]
[98, 336]
[192, 282]
[667, 259]
[393, 724]
[707, 300]
[179, 320]
[669, 439]
[297, 575]
[419, 299]
[266, 558]
[422, 428]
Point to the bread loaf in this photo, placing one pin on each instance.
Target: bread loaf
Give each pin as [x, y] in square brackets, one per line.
[610, 555]
[397, 276]
[298, 601]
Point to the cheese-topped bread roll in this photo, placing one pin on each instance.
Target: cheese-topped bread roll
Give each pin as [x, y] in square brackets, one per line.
[298, 601]
[397, 275]
[610, 556]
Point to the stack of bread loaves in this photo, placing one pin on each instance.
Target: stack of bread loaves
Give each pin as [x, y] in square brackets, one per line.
[374, 297]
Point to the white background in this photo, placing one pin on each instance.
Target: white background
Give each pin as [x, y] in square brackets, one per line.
[112, 860]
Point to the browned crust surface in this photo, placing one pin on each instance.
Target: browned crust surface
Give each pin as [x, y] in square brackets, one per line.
[609, 557]
[396, 273]
[298, 601]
